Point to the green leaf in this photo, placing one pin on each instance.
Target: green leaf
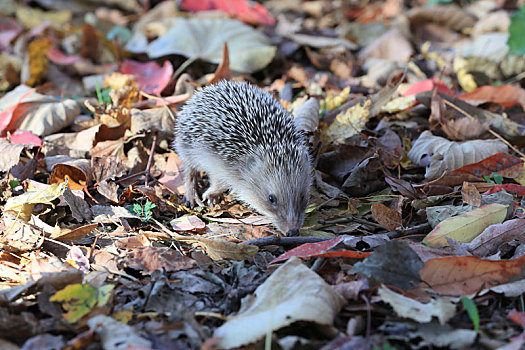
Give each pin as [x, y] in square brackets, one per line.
[79, 299]
[516, 39]
[464, 228]
[148, 206]
[472, 311]
[13, 183]
[498, 179]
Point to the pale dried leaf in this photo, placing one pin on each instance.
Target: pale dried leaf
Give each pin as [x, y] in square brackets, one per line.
[440, 155]
[10, 154]
[442, 308]
[292, 293]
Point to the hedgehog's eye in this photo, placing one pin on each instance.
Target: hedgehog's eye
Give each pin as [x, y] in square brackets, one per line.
[272, 199]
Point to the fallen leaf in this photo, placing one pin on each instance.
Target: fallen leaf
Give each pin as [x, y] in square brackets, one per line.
[386, 217]
[393, 263]
[204, 38]
[470, 194]
[428, 85]
[438, 154]
[117, 335]
[10, 154]
[292, 293]
[149, 259]
[464, 228]
[318, 249]
[506, 95]
[469, 274]
[442, 308]
[488, 241]
[23, 204]
[151, 78]
[79, 299]
[187, 223]
[248, 11]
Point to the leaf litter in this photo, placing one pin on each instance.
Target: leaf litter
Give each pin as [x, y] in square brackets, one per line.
[413, 236]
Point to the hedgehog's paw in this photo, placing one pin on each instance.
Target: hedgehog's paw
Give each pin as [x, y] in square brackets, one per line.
[191, 199]
[214, 193]
[212, 198]
[191, 196]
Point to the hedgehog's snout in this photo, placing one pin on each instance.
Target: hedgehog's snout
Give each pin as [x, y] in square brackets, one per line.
[293, 233]
[290, 225]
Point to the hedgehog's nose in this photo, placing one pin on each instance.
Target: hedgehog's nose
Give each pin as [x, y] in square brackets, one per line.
[293, 233]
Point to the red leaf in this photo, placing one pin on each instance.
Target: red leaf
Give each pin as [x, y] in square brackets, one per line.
[518, 189]
[504, 164]
[7, 114]
[320, 249]
[58, 57]
[428, 85]
[25, 137]
[247, 11]
[151, 77]
[505, 95]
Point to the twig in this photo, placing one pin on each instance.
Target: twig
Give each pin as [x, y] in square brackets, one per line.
[284, 241]
[150, 158]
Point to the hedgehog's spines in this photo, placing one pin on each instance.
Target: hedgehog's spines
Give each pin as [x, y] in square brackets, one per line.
[223, 125]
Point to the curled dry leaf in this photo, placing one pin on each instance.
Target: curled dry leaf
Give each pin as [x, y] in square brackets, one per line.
[10, 154]
[439, 155]
[450, 16]
[292, 293]
[307, 116]
[78, 172]
[494, 236]
[203, 39]
[442, 308]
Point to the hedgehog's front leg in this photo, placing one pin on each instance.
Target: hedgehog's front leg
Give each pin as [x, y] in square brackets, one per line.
[191, 195]
[214, 193]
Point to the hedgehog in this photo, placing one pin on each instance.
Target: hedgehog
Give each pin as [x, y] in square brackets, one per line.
[247, 143]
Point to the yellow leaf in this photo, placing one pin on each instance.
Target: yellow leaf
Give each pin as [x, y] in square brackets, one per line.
[38, 61]
[399, 104]
[466, 80]
[79, 299]
[23, 205]
[123, 316]
[332, 102]
[32, 17]
[464, 228]
[349, 122]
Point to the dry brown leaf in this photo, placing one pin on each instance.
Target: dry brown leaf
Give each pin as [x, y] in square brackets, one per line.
[149, 259]
[10, 154]
[223, 71]
[470, 194]
[450, 16]
[386, 217]
[78, 171]
[66, 235]
[20, 236]
[469, 274]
